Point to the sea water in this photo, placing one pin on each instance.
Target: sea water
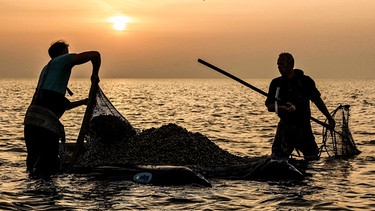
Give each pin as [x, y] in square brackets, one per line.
[229, 114]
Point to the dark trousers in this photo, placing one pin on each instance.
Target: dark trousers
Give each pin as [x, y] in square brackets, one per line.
[290, 137]
[42, 151]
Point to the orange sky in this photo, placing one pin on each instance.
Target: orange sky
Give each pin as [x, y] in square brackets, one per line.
[329, 39]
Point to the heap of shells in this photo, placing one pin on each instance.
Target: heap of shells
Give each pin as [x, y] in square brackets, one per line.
[168, 145]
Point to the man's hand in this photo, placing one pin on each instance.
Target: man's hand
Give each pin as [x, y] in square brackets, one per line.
[290, 107]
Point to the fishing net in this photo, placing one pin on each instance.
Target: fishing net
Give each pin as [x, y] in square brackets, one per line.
[106, 124]
[102, 123]
[340, 142]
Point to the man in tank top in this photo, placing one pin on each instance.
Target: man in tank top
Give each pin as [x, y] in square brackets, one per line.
[295, 90]
[43, 129]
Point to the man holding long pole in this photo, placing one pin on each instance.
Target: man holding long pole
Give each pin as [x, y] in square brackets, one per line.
[294, 91]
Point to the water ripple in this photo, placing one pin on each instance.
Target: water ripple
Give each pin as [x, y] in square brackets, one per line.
[231, 115]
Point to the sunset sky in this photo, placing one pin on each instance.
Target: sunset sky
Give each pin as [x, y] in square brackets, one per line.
[164, 38]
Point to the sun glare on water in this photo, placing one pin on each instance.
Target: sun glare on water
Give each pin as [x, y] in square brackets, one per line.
[119, 22]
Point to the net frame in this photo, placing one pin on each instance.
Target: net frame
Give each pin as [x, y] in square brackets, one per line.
[339, 142]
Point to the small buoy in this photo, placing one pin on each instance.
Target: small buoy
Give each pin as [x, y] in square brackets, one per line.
[143, 177]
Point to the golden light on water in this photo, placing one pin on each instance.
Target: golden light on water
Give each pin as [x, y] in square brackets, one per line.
[119, 22]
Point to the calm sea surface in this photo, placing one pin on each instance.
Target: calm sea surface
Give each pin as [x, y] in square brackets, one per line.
[229, 114]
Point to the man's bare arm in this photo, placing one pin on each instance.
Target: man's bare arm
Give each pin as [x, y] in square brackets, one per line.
[92, 56]
[77, 103]
[322, 107]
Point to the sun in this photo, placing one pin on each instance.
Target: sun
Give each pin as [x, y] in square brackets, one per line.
[119, 22]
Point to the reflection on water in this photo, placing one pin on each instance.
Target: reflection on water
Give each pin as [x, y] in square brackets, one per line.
[230, 114]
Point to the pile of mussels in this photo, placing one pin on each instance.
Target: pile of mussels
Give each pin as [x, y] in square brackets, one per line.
[168, 145]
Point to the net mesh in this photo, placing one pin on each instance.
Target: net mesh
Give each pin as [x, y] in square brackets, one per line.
[102, 123]
[340, 142]
[105, 123]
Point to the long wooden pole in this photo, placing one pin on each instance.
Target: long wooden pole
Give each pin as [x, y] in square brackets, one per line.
[251, 87]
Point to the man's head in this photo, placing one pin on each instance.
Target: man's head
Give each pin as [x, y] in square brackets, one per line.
[285, 63]
[58, 48]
